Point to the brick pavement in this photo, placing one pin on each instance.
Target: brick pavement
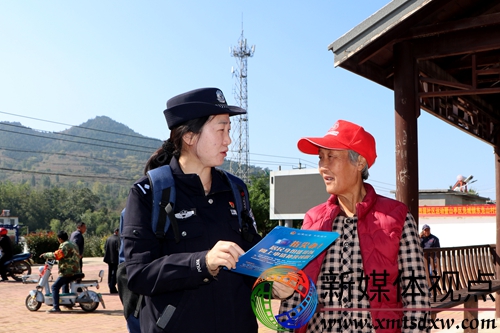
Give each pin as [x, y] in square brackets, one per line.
[16, 318]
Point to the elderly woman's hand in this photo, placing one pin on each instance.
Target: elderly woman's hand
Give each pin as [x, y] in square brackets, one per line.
[282, 291]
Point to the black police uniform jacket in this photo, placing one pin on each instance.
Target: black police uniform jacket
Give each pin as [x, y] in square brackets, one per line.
[170, 273]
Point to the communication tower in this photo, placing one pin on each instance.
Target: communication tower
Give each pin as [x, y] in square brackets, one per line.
[239, 164]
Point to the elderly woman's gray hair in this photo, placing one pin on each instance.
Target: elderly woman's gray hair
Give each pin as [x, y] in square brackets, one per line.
[353, 157]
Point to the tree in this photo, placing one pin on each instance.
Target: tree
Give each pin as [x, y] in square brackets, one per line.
[473, 192]
[14, 197]
[78, 201]
[55, 225]
[46, 181]
[259, 201]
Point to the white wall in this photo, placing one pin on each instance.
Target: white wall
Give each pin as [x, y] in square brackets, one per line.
[462, 231]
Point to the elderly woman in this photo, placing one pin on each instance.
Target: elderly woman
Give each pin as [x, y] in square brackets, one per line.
[377, 261]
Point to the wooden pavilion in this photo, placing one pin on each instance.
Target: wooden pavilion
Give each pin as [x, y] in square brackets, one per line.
[440, 56]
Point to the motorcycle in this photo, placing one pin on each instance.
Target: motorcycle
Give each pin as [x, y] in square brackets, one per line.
[79, 294]
[18, 266]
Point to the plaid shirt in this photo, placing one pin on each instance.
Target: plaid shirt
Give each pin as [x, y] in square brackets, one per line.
[340, 283]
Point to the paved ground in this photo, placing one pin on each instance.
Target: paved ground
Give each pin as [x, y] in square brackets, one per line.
[16, 318]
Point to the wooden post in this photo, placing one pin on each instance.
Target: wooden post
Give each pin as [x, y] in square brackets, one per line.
[497, 245]
[471, 316]
[407, 110]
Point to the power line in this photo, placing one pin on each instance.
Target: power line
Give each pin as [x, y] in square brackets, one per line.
[61, 154]
[301, 160]
[122, 134]
[107, 146]
[104, 160]
[278, 163]
[67, 175]
[79, 142]
[376, 181]
[72, 135]
[77, 126]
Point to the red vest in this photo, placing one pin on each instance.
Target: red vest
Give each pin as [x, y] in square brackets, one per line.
[380, 225]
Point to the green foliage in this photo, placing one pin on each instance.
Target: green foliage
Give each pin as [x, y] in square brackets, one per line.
[473, 192]
[64, 194]
[18, 248]
[55, 225]
[58, 208]
[41, 242]
[259, 200]
[94, 246]
[101, 222]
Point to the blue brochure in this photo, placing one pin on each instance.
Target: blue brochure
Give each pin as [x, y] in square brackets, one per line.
[284, 246]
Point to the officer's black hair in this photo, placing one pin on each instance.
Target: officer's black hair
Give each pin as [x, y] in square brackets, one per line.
[173, 146]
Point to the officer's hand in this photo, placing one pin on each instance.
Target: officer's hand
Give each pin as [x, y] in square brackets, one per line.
[282, 291]
[41, 255]
[224, 254]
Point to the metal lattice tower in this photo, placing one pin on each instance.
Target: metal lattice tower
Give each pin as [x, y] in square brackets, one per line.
[239, 164]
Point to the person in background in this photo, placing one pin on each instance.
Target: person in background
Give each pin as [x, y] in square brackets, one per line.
[371, 264]
[69, 265]
[111, 248]
[428, 241]
[78, 239]
[186, 279]
[7, 252]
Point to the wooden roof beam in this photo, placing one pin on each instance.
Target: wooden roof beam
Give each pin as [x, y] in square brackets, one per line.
[458, 25]
[469, 41]
[434, 71]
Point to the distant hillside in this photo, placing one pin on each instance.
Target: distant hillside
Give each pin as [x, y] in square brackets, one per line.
[99, 150]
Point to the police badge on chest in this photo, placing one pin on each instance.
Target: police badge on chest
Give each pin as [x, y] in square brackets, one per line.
[232, 209]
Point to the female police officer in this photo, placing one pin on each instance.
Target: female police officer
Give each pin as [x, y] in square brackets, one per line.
[188, 284]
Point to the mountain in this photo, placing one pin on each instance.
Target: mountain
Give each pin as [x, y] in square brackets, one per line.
[99, 150]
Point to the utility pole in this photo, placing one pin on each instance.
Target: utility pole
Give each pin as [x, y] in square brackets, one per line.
[239, 164]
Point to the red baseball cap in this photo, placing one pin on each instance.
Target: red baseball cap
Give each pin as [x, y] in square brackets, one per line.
[343, 135]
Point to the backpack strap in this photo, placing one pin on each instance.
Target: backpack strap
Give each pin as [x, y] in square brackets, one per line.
[240, 191]
[121, 251]
[163, 190]
[137, 309]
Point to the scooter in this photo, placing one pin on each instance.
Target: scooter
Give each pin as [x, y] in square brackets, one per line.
[79, 293]
[18, 266]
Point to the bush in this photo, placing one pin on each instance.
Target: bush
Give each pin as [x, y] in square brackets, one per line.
[41, 242]
[94, 246]
[18, 248]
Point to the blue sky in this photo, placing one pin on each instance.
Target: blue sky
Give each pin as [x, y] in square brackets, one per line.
[70, 61]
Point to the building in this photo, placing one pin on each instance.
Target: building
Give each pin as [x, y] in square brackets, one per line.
[457, 218]
[6, 219]
[11, 223]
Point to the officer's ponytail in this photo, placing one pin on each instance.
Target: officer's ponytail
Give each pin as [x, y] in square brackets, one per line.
[173, 146]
